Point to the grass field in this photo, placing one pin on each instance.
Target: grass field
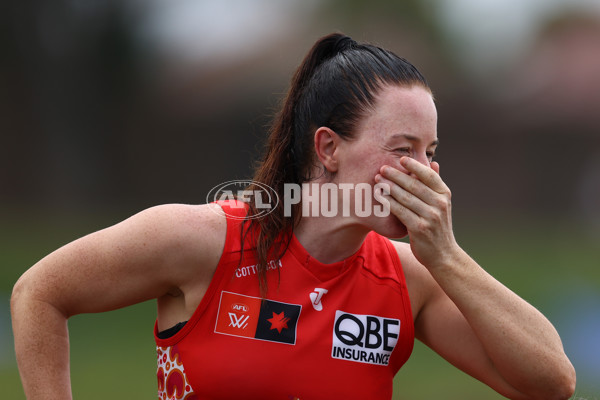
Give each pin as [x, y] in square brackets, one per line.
[552, 265]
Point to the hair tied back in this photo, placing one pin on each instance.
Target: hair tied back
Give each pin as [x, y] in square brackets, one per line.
[344, 43]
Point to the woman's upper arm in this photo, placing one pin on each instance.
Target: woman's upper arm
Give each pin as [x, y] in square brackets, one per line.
[143, 257]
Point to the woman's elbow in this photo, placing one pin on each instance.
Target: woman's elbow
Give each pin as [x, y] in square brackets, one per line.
[562, 385]
[565, 386]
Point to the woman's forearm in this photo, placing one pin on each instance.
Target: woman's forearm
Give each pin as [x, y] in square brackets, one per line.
[522, 344]
[41, 345]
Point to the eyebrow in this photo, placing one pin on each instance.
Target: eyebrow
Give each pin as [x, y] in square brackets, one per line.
[412, 138]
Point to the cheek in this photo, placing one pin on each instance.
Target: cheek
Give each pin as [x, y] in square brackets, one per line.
[363, 166]
[394, 162]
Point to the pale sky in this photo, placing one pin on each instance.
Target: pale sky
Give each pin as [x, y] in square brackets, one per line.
[229, 28]
[486, 30]
[500, 29]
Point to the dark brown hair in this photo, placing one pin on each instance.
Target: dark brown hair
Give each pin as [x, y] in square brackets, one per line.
[335, 86]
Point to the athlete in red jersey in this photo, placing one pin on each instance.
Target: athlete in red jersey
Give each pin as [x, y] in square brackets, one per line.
[352, 317]
[307, 305]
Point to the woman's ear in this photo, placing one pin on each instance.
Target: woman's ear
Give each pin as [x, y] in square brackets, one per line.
[326, 142]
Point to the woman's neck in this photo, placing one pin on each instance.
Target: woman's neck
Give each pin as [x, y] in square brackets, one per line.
[330, 240]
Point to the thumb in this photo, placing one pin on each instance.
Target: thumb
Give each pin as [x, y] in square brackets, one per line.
[435, 166]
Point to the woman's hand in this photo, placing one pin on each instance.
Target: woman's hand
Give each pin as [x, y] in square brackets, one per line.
[421, 201]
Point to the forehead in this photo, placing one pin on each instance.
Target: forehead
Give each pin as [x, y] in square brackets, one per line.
[402, 111]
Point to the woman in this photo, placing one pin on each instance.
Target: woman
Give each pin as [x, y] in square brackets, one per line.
[296, 304]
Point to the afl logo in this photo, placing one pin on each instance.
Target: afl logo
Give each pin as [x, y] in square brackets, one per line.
[264, 198]
[240, 307]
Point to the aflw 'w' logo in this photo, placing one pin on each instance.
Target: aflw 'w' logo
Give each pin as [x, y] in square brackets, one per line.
[255, 318]
[238, 322]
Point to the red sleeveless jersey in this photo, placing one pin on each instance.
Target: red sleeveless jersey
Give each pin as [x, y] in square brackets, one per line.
[324, 331]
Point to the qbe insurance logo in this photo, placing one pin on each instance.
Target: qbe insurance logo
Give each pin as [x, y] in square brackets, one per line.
[364, 338]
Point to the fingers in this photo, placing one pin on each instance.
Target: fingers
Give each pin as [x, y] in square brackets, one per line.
[421, 195]
[405, 204]
[429, 175]
[425, 185]
[420, 199]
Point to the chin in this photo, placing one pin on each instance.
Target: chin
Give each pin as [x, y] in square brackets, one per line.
[391, 228]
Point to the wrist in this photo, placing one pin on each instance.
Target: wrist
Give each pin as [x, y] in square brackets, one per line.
[451, 258]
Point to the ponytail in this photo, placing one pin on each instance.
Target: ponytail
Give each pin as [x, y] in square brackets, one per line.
[334, 86]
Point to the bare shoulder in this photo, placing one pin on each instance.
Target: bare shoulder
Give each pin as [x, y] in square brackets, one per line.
[189, 227]
[181, 216]
[190, 238]
[420, 283]
[194, 239]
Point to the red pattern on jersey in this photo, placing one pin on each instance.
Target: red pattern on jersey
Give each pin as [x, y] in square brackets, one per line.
[172, 381]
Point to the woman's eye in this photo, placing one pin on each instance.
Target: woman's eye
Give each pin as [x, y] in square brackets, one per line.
[404, 150]
[430, 155]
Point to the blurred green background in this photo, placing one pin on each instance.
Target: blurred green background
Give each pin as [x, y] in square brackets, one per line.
[111, 107]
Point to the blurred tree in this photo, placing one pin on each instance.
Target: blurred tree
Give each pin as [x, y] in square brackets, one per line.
[68, 76]
[411, 28]
[416, 15]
